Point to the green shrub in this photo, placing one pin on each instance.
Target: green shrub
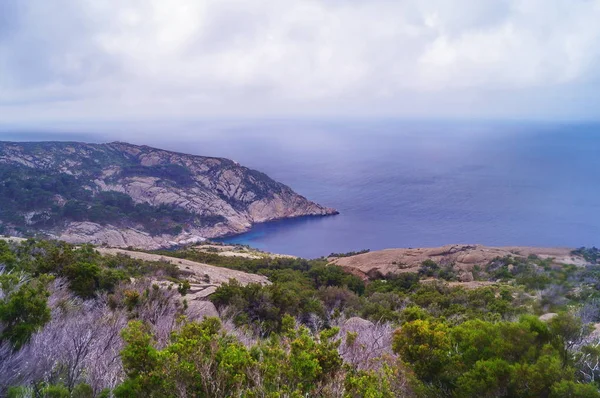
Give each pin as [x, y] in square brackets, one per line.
[82, 391]
[24, 308]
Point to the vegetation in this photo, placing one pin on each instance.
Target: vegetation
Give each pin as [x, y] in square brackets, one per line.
[174, 173]
[51, 198]
[526, 358]
[74, 323]
[349, 254]
[590, 254]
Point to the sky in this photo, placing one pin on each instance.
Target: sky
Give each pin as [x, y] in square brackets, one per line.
[89, 61]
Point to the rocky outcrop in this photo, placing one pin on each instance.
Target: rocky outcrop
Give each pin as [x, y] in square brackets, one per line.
[96, 234]
[223, 197]
[204, 279]
[548, 316]
[200, 275]
[463, 258]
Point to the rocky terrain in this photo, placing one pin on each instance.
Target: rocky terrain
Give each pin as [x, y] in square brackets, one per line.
[124, 195]
[204, 278]
[463, 258]
[236, 251]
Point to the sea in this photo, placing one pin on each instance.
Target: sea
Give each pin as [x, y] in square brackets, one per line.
[399, 183]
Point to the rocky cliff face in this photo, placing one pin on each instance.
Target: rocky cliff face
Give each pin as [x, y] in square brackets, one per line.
[128, 195]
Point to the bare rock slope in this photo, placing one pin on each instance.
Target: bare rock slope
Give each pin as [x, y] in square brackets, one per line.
[204, 278]
[462, 257]
[123, 195]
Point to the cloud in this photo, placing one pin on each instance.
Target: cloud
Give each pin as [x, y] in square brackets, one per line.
[87, 60]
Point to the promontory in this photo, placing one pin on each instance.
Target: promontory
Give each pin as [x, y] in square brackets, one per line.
[121, 194]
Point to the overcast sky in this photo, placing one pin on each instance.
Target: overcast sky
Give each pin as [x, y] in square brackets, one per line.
[108, 60]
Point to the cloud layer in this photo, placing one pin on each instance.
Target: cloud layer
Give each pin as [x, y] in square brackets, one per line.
[73, 60]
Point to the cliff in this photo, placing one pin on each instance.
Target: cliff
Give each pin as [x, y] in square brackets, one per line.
[128, 195]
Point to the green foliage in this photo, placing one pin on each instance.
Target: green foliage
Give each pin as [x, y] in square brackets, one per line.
[55, 391]
[426, 346]
[460, 304]
[568, 330]
[27, 189]
[7, 257]
[300, 288]
[139, 356]
[106, 393]
[431, 269]
[84, 278]
[82, 391]
[382, 307]
[331, 275]
[265, 306]
[451, 341]
[18, 392]
[590, 254]
[490, 359]
[84, 268]
[349, 254]
[173, 173]
[204, 361]
[184, 287]
[404, 282]
[487, 378]
[24, 309]
[317, 272]
[570, 389]
[414, 313]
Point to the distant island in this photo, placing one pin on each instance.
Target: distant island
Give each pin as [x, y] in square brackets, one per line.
[123, 195]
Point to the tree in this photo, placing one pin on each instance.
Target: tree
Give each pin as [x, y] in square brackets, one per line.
[83, 278]
[23, 307]
[426, 345]
[568, 330]
[570, 389]
[489, 378]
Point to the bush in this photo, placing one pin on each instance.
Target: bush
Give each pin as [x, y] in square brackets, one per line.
[84, 278]
[184, 287]
[23, 309]
[82, 391]
[55, 392]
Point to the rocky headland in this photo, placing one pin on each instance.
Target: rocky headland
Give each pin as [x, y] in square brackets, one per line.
[121, 195]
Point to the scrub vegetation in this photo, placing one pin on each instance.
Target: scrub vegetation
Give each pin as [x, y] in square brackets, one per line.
[75, 323]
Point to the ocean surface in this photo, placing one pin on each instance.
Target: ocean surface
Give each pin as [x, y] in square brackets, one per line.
[403, 184]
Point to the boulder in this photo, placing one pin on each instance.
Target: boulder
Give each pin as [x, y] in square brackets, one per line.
[546, 317]
[356, 324]
[198, 310]
[465, 277]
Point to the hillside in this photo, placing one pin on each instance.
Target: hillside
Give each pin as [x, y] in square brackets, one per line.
[461, 260]
[127, 195]
[222, 320]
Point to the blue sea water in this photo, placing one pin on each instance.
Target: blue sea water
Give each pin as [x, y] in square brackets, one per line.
[412, 184]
